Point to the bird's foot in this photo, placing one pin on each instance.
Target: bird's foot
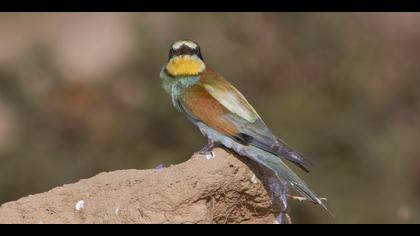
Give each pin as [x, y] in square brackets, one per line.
[209, 155]
[206, 150]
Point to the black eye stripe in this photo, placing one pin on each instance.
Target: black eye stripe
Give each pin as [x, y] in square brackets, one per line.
[185, 50]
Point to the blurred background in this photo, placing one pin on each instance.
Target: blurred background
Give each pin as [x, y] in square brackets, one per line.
[80, 94]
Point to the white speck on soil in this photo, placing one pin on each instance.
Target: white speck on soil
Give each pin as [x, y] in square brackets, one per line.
[254, 179]
[117, 210]
[79, 205]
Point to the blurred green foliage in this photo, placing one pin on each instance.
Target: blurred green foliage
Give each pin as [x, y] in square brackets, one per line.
[80, 94]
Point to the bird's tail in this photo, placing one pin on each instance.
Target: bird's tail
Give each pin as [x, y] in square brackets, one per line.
[309, 194]
[282, 170]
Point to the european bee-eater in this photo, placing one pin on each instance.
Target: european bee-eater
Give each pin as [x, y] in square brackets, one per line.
[223, 114]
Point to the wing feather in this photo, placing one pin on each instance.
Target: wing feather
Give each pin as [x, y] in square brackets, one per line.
[222, 107]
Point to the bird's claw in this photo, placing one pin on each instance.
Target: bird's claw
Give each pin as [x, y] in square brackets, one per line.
[208, 154]
[206, 150]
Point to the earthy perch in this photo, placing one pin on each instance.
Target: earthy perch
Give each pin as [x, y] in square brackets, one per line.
[218, 190]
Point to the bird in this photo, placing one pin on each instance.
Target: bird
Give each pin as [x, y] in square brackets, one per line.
[225, 117]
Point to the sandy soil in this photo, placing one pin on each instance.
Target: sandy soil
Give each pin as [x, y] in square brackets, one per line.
[218, 190]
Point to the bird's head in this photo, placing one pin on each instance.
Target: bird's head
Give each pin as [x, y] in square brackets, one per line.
[185, 59]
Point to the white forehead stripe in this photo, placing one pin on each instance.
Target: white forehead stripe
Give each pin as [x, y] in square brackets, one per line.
[189, 44]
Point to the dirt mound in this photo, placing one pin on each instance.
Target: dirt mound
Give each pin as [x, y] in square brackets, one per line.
[218, 190]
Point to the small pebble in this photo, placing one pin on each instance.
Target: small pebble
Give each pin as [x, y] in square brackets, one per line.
[254, 179]
[117, 210]
[79, 205]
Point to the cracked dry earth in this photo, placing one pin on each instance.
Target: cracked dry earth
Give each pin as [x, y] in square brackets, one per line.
[219, 190]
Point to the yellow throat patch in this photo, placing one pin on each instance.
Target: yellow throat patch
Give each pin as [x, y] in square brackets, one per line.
[185, 65]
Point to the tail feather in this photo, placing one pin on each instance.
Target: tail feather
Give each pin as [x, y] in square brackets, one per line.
[306, 192]
[282, 170]
[287, 152]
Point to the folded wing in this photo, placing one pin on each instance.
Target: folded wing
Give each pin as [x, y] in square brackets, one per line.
[215, 102]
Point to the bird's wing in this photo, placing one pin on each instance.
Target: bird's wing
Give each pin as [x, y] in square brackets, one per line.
[221, 106]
